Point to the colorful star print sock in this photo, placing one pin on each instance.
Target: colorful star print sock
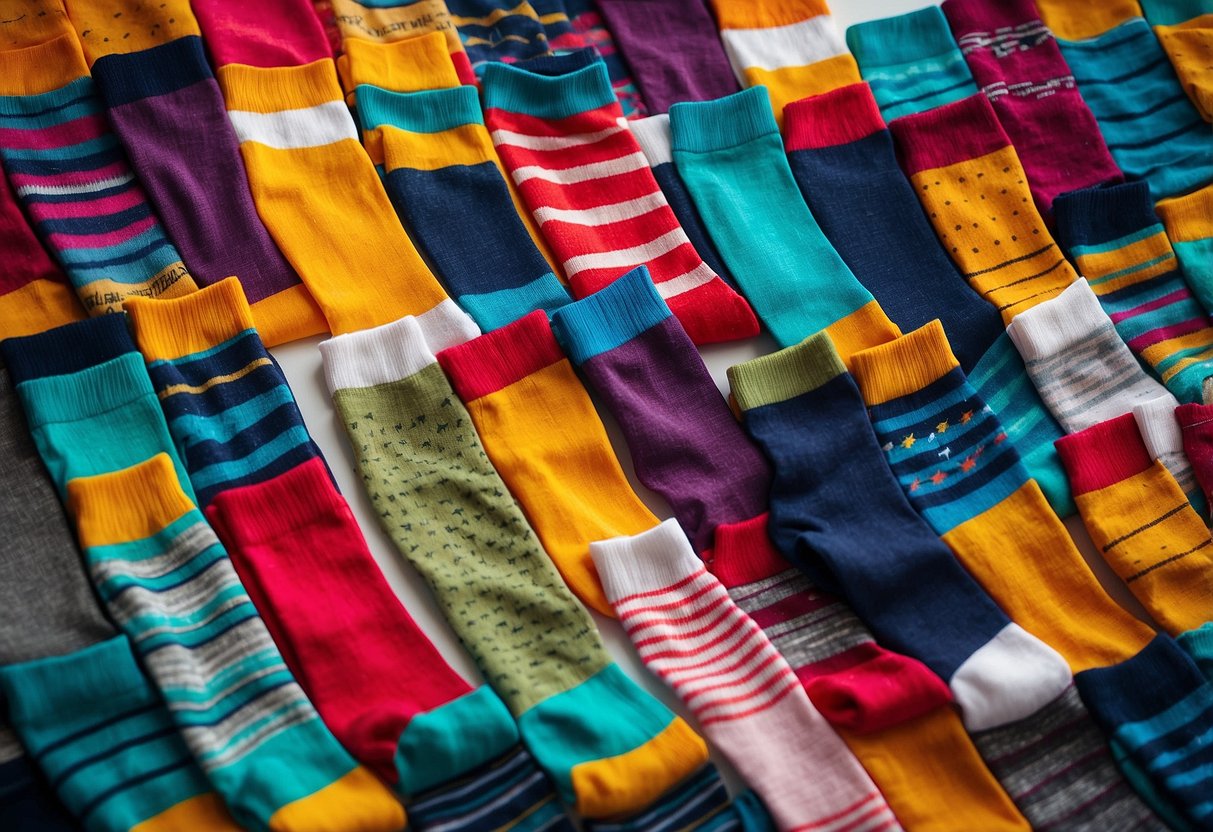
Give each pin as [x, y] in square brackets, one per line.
[1115, 239]
[542, 434]
[269, 33]
[1160, 430]
[588, 22]
[1196, 424]
[691, 634]
[1185, 30]
[911, 62]
[1017, 64]
[589, 187]
[975, 192]
[1141, 522]
[730, 155]
[685, 443]
[442, 172]
[1080, 365]
[791, 48]
[953, 626]
[74, 180]
[1189, 223]
[232, 698]
[451, 516]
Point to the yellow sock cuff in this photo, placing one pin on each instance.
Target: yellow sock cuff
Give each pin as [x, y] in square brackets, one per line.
[131, 25]
[1076, 21]
[169, 329]
[1189, 217]
[38, 306]
[903, 366]
[409, 65]
[204, 811]
[357, 802]
[467, 144]
[260, 89]
[131, 504]
[866, 327]
[42, 67]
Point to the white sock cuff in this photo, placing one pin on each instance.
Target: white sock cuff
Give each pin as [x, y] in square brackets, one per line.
[1058, 324]
[653, 136]
[796, 44]
[1158, 427]
[375, 356]
[1009, 678]
[446, 325]
[647, 562]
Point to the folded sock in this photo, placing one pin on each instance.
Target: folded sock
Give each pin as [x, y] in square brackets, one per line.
[975, 191]
[1189, 223]
[269, 33]
[1196, 426]
[588, 22]
[586, 182]
[1160, 430]
[542, 434]
[418, 63]
[390, 22]
[730, 155]
[1078, 362]
[685, 443]
[75, 182]
[1185, 30]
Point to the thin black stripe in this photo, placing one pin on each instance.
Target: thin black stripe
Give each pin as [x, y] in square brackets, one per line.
[1141, 529]
[1168, 561]
[1052, 268]
[1006, 263]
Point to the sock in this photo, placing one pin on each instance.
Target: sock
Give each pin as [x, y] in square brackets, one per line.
[587, 21]
[450, 515]
[1141, 522]
[542, 434]
[1160, 430]
[387, 22]
[1196, 425]
[730, 156]
[949, 454]
[342, 237]
[230, 694]
[75, 182]
[270, 33]
[1190, 230]
[791, 48]
[827, 527]
[889, 709]
[1185, 31]
[1116, 241]
[164, 105]
[90, 405]
[1017, 64]
[911, 61]
[422, 62]
[755, 710]
[971, 184]
[685, 443]
[26, 799]
[1080, 365]
[494, 31]
[590, 189]
[673, 49]
[442, 172]
[701, 802]
[557, 25]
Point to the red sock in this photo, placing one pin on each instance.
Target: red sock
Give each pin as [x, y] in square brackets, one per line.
[1196, 423]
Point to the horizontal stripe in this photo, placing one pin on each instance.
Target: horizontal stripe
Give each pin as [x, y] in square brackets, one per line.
[628, 257]
[581, 173]
[323, 124]
[503, 136]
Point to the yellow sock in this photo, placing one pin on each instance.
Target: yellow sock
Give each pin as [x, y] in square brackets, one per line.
[1072, 20]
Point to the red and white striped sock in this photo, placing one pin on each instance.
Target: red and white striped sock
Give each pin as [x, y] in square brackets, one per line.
[582, 174]
[746, 697]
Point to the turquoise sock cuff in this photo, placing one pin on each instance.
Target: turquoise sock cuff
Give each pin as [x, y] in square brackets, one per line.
[902, 39]
[87, 393]
[42, 691]
[1170, 12]
[493, 310]
[610, 317]
[428, 111]
[705, 126]
[516, 90]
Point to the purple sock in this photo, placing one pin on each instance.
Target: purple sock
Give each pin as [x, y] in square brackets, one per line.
[685, 443]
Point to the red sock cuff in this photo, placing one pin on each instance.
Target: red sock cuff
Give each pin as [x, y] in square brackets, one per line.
[499, 358]
[1104, 454]
[887, 690]
[280, 506]
[956, 132]
[840, 116]
[1193, 415]
[743, 554]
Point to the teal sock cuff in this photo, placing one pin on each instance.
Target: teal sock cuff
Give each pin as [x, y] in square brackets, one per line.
[87, 393]
[429, 111]
[705, 126]
[493, 310]
[902, 39]
[515, 90]
[1170, 12]
[610, 317]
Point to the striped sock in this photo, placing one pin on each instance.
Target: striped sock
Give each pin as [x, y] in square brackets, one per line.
[75, 183]
[232, 698]
[702, 803]
[589, 187]
[975, 192]
[1159, 428]
[730, 155]
[754, 710]
[557, 25]
[588, 22]
[1185, 30]
[1080, 365]
[911, 62]
[1116, 241]
[1189, 223]
[498, 32]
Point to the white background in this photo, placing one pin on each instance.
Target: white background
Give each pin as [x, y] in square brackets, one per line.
[301, 363]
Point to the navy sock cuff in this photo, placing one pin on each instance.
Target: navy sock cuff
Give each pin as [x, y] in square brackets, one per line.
[1104, 213]
[172, 66]
[1141, 687]
[67, 349]
[553, 65]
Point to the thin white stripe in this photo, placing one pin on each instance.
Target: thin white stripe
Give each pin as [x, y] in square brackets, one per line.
[605, 214]
[665, 597]
[582, 173]
[798, 44]
[653, 136]
[532, 142]
[682, 638]
[289, 129]
[88, 188]
[736, 676]
[737, 710]
[702, 701]
[684, 283]
[627, 257]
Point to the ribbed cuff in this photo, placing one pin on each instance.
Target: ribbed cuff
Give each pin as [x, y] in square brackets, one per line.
[68, 349]
[1103, 213]
[705, 126]
[653, 560]
[41, 68]
[904, 365]
[1141, 688]
[1190, 217]
[86, 393]
[1159, 427]
[983, 16]
[748, 14]
[1171, 12]
[1056, 325]
[840, 116]
[1193, 415]
[786, 374]
[1104, 454]
[375, 356]
[127, 505]
[446, 325]
[174, 328]
[610, 317]
[653, 136]
[957, 132]
[273, 89]
[742, 553]
[901, 39]
[430, 111]
[553, 65]
[509, 88]
[502, 357]
[409, 65]
[172, 66]
[279, 507]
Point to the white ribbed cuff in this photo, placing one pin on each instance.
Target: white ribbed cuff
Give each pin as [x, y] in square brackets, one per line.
[1058, 324]
[446, 325]
[375, 356]
[653, 136]
[650, 561]
[776, 47]
[1158, 426]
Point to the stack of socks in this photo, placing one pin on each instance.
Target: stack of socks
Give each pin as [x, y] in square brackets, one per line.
[1189, 223]
[1185, 30]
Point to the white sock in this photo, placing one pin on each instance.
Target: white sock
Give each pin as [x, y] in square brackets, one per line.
[1165, 442]
[1009, 678]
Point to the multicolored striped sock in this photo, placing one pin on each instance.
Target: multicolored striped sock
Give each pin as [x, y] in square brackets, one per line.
[498, 31]
[75, 182]
[595, 32]
[1185, 30]
[557, 25]
[589, 187]
[690, 633]
[702, 803]
[1159, 429]
[1189, 223]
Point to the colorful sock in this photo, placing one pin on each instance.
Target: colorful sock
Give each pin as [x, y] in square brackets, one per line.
[26, 799]
[589, 187]
[971, 184]
[730, 155]
[165, 106]
[1078, 362]
[673, 48]
[386, 22]
[754, 709]
[685, 443]
[702, 803]
[74, 181]
[1115, 239]
[1017, 64]
[1159, 428]
[899, 728]
[587, 21]
[1189, 223]
[449, 513]
[1196, 424]
[497, 30]
[422, 62]
[1185, 30]
[231, 696]
[557, 25]
[267, 33]
[911, 61]
[442, 172]
[949, 454]
[791, 48]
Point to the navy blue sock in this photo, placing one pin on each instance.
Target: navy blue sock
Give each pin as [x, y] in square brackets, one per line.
[27, 803]
[67, 349]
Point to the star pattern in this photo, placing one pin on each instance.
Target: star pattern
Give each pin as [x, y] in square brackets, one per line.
[908, 442]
